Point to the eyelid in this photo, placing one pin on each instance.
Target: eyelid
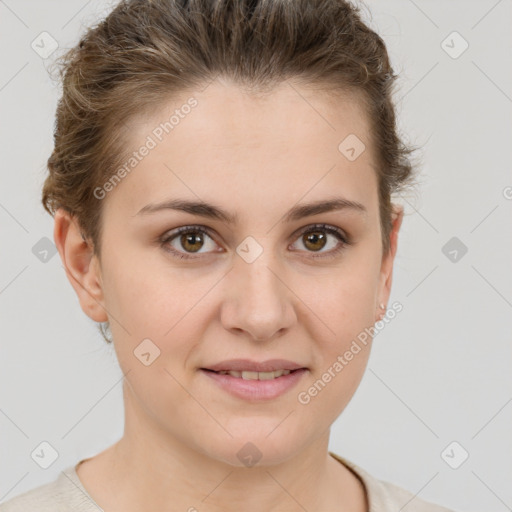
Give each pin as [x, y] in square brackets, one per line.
[344, 240]
[327, 227]
[343, 237]
[174, 233]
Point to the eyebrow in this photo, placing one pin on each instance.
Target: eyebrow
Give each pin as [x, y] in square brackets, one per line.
[211, 211]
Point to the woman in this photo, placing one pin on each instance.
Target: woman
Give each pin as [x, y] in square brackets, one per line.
[221, 187]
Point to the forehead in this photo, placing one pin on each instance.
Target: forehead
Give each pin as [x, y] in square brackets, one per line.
[224, 140]
[227, 116]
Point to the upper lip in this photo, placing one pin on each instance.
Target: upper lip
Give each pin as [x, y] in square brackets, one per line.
[254, 366]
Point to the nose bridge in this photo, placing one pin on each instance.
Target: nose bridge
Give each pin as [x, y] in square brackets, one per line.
[259, 300]
[260, 281]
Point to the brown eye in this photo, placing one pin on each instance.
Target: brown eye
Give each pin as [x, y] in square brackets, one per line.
[188, 240]
[322, 236]
[314, 240]
[192, 242]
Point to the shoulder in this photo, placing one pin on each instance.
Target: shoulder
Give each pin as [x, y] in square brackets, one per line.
[61, 495]
[387, 497]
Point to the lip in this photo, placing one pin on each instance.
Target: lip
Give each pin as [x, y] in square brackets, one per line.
[239, 365]
[256, 390]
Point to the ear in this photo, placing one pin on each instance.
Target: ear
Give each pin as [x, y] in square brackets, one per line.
[81, 265]
[386, 272]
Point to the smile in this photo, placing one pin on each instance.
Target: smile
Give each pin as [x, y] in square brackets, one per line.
[248, 375]
[255, 386]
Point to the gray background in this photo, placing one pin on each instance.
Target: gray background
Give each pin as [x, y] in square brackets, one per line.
[438, 373]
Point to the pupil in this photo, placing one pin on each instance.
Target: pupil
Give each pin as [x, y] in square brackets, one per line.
[314, 238]
[192, 240]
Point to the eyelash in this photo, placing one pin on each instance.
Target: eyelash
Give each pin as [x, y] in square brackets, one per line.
[338, 233]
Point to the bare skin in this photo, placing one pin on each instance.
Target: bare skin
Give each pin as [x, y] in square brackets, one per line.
[256, 157]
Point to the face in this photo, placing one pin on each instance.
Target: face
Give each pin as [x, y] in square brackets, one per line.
[188, 289]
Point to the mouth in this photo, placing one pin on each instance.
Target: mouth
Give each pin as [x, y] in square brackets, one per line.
[253, 386]
[251, 375]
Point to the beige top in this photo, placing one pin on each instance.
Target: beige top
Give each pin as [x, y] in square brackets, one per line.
[67, 494]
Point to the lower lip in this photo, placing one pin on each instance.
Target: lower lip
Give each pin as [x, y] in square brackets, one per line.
[256, 389]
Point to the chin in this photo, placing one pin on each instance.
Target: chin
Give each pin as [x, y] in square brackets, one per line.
[255, 448]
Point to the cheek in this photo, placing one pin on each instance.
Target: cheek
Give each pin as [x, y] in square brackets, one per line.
[148, 298]
[344, 300]
[346, 308]
[153, 303]
[152, 300]
[343, 304]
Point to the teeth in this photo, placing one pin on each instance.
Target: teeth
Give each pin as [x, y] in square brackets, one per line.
[256, 375]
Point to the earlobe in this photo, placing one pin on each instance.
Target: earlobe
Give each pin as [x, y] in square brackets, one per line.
[81, 265]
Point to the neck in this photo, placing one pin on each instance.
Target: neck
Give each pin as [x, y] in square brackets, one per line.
[149, 469]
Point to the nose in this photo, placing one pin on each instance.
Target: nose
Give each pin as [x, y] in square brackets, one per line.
[257, 300]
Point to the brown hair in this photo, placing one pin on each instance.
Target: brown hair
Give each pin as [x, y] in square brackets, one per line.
[145, 51]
